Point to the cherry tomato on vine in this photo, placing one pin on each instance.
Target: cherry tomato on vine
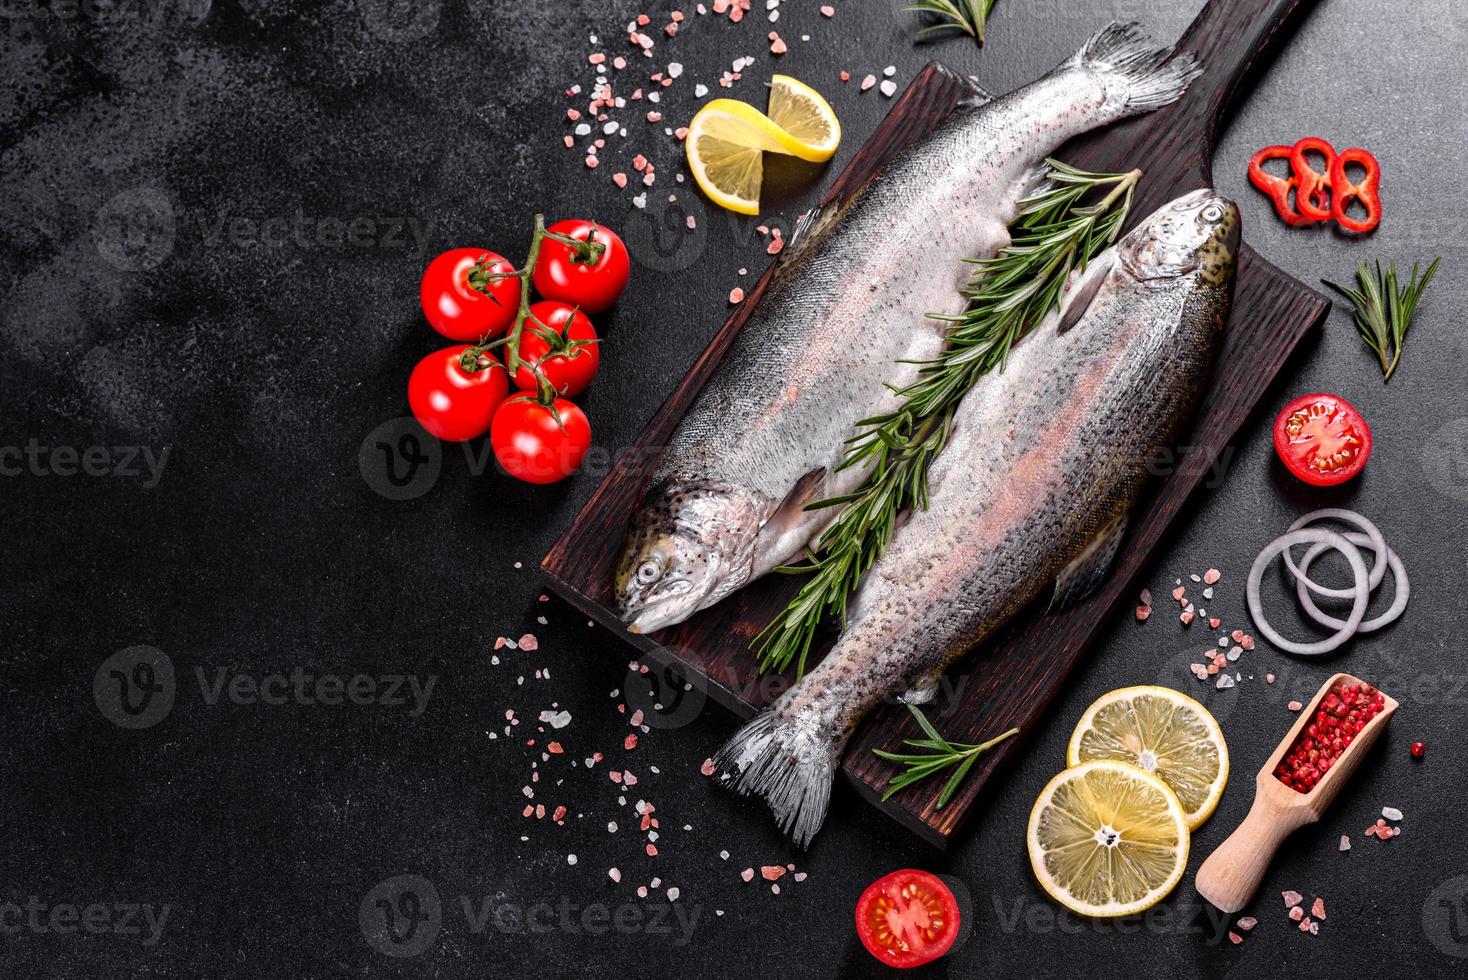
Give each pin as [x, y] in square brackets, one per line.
[452, 403]
[458, 310]
[907, 918]
[539, 443]
[592, 286]
[1322, 439]
[570, 363]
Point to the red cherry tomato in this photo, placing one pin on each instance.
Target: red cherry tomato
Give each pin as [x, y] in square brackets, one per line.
[459, 311]
[907, 918]
[568, 368]
[593, 286]
[1321, 439]
[538, 445]
[452, 403]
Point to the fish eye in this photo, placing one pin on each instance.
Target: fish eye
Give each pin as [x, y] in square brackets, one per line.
[649, 571]
[1212, 212]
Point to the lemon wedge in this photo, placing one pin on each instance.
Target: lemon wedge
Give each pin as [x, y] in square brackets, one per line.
[1107, 839]
[1164, 732]
[727, 140]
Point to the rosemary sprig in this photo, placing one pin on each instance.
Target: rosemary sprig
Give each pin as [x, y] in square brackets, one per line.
[941, 754]
[968, 16]
[1053, 234]
[1383, 309]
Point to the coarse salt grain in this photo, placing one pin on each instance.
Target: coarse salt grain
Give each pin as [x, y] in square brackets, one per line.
[747, 874]
[614, 874]
[736, 295]
[868, 82]
[570, 859]
[1391, 813]
[1291, 898]
[1318, 909]
[1345, 842]
[888, 88]
[1247, 923]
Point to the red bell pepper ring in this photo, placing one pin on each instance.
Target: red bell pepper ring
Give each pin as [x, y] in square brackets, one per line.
[1365, 191]
[1312, 187]
[1278, 188]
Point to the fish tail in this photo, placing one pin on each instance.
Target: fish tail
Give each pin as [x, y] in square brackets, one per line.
[1152, 75]
[790, 764]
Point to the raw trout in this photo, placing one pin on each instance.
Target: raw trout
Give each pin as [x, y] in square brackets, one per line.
[1033, 487]
[848, 303]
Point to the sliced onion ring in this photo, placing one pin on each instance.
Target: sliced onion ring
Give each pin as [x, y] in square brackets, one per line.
[1377, 542]
[1281, 545]
[1399, 600]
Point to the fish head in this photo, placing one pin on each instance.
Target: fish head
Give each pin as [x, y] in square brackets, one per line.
[688, 547]
[1196, 234]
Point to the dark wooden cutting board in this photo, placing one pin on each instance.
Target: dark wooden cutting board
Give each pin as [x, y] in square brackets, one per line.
[1011, 680]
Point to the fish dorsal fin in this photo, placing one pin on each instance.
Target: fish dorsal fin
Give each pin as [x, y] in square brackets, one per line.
[791, 508]
[974, 94]
[1089, 568]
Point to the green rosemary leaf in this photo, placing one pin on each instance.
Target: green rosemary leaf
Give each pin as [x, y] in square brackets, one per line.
[1384, 308]
[944, 755]
[968, 16]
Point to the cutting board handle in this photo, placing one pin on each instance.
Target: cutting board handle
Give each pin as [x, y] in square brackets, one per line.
[1232, 38]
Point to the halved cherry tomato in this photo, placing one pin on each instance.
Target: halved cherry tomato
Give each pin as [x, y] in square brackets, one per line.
[539, 443]
[570, 363]
[458, 310]
[1322, 439]
[592, 286]
[907, 918]
[452, 403]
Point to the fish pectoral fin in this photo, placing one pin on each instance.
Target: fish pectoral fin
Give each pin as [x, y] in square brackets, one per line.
[1075, 303]
[792, 508]
[924, 690]
[1089, 568]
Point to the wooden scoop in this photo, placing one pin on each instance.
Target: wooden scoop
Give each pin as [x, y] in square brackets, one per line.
[1232, 873]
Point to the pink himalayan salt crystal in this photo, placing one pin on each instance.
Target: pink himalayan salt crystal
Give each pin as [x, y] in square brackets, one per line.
[652, 850]
[591, 163]
[1143, 612]
[776, 244]
[614, 874]
[1187, 617]
[1318, 909]
[1199, 671]
[736, 295]
[620, 179]
[747, 874]
[636, 718]
[1269, 678]
[1291, 898]
[828, 11]
[1247, 643]
[1345, 842]
[1247, 923]
[1314, 928]
[1305, 924]
[846, 76]
[707, 768]
[771, 872]
[1212, 576]
[529, 643]
[777, 44]
[1297, 913]
[1179, 592]
[1213, 622]
[1294, 706]
[630, 742]
[569, 141]
[1235, 938]
[653, 117]
[868, 82]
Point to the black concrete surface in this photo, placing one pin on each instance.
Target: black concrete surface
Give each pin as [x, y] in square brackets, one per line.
[212, 222]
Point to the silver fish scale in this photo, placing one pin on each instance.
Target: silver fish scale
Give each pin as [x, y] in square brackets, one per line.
[1042, 458]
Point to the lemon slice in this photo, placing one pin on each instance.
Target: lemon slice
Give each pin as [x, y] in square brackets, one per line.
[727, 140]
[1107, 839]
[800, 111]
[1164, 732]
